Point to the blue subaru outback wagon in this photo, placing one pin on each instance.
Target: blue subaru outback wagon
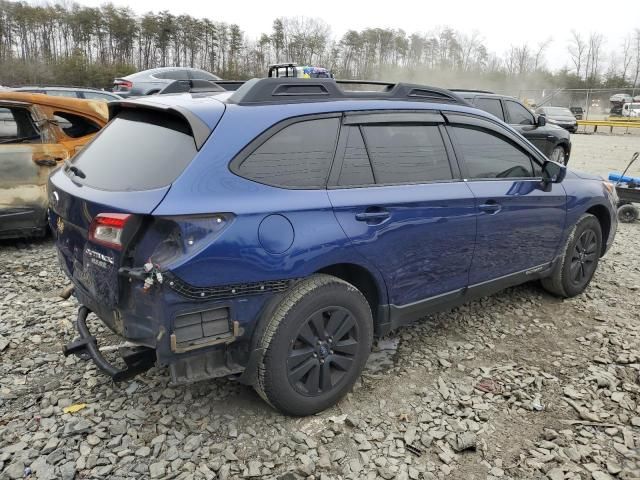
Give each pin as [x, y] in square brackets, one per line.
[270, 233]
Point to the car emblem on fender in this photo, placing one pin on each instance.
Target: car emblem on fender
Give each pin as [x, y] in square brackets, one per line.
[60, 225]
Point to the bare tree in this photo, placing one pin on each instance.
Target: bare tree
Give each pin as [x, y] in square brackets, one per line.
[594, 55]
[627, 56]
[538, 58]
[577, 50]
[636, 55]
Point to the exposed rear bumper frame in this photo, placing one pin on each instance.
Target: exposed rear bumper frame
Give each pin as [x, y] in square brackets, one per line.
[137, 359]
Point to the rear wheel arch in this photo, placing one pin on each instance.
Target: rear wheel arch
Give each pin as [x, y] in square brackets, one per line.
[363, 280]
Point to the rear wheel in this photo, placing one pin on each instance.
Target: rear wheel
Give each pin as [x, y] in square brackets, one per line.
[627, 213]
[575, 269]
[316, 345]
[558, 156]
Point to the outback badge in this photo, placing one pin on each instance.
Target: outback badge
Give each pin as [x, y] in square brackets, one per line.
[60, 225]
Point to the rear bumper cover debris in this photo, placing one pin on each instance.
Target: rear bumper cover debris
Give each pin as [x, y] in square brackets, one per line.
[137, 359]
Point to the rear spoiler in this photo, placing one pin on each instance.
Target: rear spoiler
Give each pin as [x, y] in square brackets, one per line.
[199, 130]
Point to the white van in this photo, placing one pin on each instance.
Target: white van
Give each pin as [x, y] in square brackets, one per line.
[631, 110]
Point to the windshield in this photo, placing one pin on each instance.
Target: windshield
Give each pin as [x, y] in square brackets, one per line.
[557, 111]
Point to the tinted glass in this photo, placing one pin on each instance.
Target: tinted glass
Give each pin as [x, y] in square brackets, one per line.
[75, 126]
[16, 125]
[487, 155]
[299, 155]
[356, 169]
[173, 75]
[518, 115]
[137, 151]
[62, 93]
[407, 153]
[98, 96]
[491, 105]
[202, 75]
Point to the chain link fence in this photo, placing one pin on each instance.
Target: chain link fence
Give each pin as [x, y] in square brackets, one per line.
[596, 103]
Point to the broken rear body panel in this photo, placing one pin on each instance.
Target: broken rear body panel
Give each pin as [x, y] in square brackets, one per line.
[26, 166]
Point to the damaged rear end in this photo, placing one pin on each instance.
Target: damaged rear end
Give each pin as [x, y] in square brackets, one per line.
[118, 254]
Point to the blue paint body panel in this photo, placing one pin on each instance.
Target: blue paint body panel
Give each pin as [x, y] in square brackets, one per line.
[435, 240]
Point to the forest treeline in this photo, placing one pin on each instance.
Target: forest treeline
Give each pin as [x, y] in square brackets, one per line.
[74, 44]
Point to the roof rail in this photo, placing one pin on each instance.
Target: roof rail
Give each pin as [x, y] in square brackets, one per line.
[470, 90]
[295, 90]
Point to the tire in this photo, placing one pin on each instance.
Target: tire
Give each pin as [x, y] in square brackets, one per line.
[316, 344]
[579, 261]
[558, 155]
[628, 213]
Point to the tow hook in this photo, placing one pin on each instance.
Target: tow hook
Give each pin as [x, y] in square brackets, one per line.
[150, 274]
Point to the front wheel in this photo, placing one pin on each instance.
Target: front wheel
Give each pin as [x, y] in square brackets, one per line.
[575, 269]
[558, 155]
[316, 345]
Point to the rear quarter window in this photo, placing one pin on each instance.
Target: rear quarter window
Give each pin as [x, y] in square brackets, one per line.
[137, 151]
[298, 156]
[75, 126]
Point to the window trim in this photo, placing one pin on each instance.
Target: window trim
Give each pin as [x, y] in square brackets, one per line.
[495, 132]
[258, 141]
[334, 176]
[465, 118]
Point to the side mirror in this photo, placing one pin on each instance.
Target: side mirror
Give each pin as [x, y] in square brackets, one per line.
[542, 121]
[553, 172]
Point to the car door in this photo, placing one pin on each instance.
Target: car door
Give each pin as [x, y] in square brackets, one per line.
[28, 153]
[522, 120]
[520, 218]
[403, 205]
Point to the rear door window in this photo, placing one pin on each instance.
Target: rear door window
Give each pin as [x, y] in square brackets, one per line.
[17, 126]
[407, 153]
[62, 93]
[202, 75]
[490, 105]
[98, 96]
[173, 75]
[356, 169]
[298, 156]
[489, 155]
[137, 151]
[518, 115]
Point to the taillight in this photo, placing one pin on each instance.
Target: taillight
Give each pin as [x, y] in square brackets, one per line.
[107, 228]
[125, 84]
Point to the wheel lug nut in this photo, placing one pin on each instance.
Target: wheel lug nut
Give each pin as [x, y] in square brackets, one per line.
[330, 340]
[315, 355]
[330, 352]
[321, 362]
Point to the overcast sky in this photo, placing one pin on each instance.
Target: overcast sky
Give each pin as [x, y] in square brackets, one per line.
[501, 24]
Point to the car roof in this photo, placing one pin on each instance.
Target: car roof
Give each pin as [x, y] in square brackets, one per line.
[264, 114]
[97, 110]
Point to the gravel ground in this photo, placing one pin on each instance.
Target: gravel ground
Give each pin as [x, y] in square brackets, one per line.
[519, 385]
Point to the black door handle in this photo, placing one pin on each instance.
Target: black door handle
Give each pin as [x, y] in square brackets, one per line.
[47, 162]
[373, 215]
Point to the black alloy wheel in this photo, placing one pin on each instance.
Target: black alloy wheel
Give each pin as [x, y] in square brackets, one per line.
[584, 258]
[323, 351]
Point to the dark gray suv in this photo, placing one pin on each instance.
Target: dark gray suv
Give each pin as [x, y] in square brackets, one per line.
[552, 140]
[152, 81]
